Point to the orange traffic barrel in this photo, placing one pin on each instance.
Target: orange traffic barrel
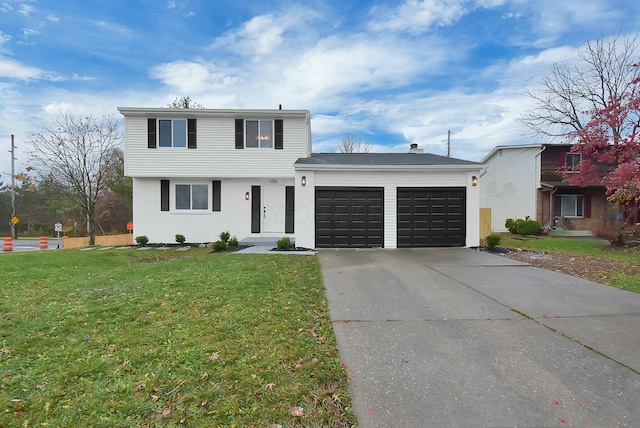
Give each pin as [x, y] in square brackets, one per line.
[8, 244]
[44, 242]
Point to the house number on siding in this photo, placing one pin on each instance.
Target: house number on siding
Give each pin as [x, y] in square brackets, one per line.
[273, 181]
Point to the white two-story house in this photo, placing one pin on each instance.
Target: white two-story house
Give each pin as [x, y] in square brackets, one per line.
[199, 172]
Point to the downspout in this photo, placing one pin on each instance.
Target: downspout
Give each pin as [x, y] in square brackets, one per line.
[539, 155]
[551, 207]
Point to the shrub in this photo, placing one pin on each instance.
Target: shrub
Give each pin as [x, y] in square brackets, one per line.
[219, 246]
[224, 236]
[511, 226]
[528, 227]
[493, 240]
[142, 240]
[284, 243]
[233, 241]
[617, 236]
[180, 239]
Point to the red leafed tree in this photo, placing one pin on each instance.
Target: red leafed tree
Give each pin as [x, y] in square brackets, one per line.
[612, 137]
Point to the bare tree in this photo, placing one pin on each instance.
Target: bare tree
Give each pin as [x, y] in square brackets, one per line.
[77, 152]
[602, 75]
[184, 102]
[353, 144]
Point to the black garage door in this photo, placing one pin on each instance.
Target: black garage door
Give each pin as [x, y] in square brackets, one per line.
[349, 217]
[431, 217]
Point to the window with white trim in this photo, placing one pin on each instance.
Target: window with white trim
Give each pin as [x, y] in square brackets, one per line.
[572, 160]
[172, 132]
[569, 205]
[192, 197]
[259, 134]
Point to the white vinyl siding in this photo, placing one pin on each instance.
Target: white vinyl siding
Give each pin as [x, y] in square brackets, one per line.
[508, 185]
[216, 153]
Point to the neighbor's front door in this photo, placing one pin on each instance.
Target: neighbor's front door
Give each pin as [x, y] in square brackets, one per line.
[273, 209]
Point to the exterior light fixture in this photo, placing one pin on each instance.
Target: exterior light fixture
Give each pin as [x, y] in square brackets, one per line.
[304, 180]
[247, 196]
[474, 181]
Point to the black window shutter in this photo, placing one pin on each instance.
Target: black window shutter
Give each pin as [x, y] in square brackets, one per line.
[279, 143]
[217, 187]
[164, 195]
[289, 204]
[255, 209]
[151, 133]
[239, 133]
[191, 133]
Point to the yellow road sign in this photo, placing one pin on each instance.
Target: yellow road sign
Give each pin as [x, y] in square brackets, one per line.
[14, 220]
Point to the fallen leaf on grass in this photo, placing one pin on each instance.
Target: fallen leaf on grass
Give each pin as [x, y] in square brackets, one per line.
[270, 386]
[214, 356]
[297, 411]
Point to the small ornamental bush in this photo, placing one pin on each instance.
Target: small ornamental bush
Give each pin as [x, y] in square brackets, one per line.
[511, 226]
[224, 236]
[180, 239]
[523, 227]
[493, 240]
[233, 241]
[528, 227]
[142, 240]
[284, 243]
[219, 246]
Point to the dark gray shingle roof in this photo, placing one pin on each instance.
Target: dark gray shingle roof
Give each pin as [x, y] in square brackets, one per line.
[380, 159]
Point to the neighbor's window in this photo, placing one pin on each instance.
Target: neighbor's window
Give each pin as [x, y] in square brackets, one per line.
[569, 205]
[572, 160]
[172, 133]
[259, 134]
[192, 196]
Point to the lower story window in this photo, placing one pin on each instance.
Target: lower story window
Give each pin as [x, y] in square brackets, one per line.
[192, 197]
[569, 205]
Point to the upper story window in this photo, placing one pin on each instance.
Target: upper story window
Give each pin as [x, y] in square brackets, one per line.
[572, 160]
[171, 133]
[259, 134]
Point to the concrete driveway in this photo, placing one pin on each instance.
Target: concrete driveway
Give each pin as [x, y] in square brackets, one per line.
[453, 337]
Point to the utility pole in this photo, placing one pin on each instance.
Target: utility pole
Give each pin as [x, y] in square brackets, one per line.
[13, 188]
[449, 143]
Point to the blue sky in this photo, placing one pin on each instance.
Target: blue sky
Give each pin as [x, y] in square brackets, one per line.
[391, 72]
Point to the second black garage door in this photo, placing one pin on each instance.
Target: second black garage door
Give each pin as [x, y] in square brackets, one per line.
[431, 217]
[349, 217]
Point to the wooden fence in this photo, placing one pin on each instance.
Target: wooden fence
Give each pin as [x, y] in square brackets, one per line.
[485, 223]
[102, 241]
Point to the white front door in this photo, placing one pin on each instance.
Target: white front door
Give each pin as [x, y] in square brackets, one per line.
[273, 209]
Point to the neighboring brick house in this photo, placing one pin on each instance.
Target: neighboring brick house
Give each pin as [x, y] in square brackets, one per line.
[523, 180]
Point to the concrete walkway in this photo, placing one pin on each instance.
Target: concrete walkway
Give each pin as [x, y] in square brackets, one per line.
[459, 338]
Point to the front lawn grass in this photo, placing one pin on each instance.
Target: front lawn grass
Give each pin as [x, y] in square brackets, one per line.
[133, 338]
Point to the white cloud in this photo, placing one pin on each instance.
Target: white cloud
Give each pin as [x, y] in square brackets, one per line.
[260, 35]
[13, 69]
[417, 17]
[53, 18]
[193, 77]
[25, 9]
